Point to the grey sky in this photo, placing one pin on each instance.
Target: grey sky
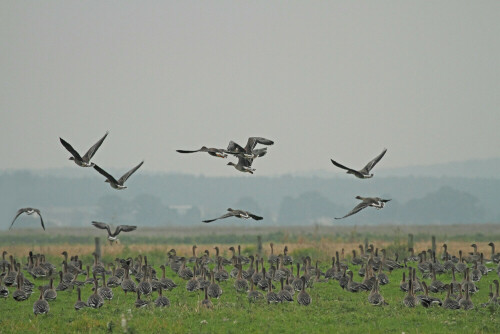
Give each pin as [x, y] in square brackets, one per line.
[323, 79]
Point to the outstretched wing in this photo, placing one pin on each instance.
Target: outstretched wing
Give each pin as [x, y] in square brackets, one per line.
[90, 153]
[346, 168]
[105, 174]
[234, 148]
[372, 163]
[253, 141]
[70, 148]
[102, 226]
[19, 212]
[356, 209]
[186, 151]
[130, 172]
[229, 214]
[255, 216]
[124, 228]
[41, 219]
[246, 162]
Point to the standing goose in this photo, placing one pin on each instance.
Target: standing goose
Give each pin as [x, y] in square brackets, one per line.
[207, 303]
[161, 301]
[376, 202]
[95, 300]
[215, 152]
[410, 300]
[271, 296]
[284, 294]
[240, 284]
[4, 292]
[114, 281]
[254, 295]
[166, 283]
[466, 303]
[50, 293]
[28, 211]
[214, 290]
[19, 295]
[221, 275]
[365, 172]
[79, 303]
[85, 160]
[287, 259]
[375, 298]
[104, 291]
[273, 259]
[193, 284]
[41, 306]
[495, 257]
[117, 184]
[331, 272]
[303, 298]
[355, 286]
[237, 214]
[449, 303]
[144, 287]
[113, 236]
[127, 284]
[140, 303]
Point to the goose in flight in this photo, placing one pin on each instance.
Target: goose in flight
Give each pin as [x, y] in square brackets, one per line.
[28, 211]
[244, 165]
[249, 150]
[376, 202]
[365, 172]
[112, 181]
[85, 160]
[237, 214]
[215, 152]
[113, 237]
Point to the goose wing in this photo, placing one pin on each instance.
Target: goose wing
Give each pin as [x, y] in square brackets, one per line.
[344, 167]
[255, 216]
[234, 148]
[19, 212]
[229, 214]
[203, 149]
[102, 226]
[70, 148]
[105, 174]
[372, 163]
[124, 228]
[130, 172]
[41, 219]
[356, 209]
[253, 141]
[246, 162]
[90, 153]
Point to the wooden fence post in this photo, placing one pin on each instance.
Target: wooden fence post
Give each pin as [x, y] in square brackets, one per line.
[98, 247]
[410, 240]
[434, 244]
[259, 244]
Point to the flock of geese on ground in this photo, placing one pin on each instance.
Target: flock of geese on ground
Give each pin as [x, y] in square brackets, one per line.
[209, 274]
[246, 155]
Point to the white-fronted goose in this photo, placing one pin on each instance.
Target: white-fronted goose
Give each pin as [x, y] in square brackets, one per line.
[426, 300]
[85, 160]
[50, 293]
[495, 257]
[214, 290]
[79, 304]
[365, 172]
[376, 202]
[4, 292]
[237, 214]
[240, 284]
[28, 211]
[466, 303]
[450, 303]
[41, 306]
[113, 236]
[104, 291]
[303, 298]
[117, 184]
[215, 152]
[249, 150]
[271, 296]
[207, 303]
[254, 295]
[161, 301]
[95, 300]
[140, 303]
[375, 298]
[127, 284]
[244, 165]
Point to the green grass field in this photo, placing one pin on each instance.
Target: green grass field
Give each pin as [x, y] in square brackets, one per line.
[332, 310]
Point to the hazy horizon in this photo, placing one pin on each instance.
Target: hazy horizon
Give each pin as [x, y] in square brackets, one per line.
[323, 80]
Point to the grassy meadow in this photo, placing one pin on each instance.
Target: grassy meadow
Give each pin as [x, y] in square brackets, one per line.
[332, 309]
